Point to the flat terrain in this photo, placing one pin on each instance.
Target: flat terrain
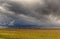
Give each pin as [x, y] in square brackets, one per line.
[29, 33]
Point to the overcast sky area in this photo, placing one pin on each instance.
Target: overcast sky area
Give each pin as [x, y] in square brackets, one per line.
[30, 13]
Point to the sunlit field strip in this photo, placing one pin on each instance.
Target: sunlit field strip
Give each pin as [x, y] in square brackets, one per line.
[29, 33]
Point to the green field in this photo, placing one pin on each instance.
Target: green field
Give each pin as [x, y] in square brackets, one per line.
[29, 34]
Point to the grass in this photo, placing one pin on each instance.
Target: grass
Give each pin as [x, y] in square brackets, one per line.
[29, 34]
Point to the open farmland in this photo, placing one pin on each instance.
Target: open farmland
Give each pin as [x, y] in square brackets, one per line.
[29, 34]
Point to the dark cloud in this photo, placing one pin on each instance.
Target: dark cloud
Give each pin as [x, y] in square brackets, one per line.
[39, 12]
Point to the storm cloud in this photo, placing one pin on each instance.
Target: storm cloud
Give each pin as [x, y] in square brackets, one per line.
[42, 13]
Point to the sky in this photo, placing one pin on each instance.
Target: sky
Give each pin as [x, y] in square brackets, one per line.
[30, 13]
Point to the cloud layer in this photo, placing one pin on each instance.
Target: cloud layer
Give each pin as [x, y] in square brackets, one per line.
[39, 13]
